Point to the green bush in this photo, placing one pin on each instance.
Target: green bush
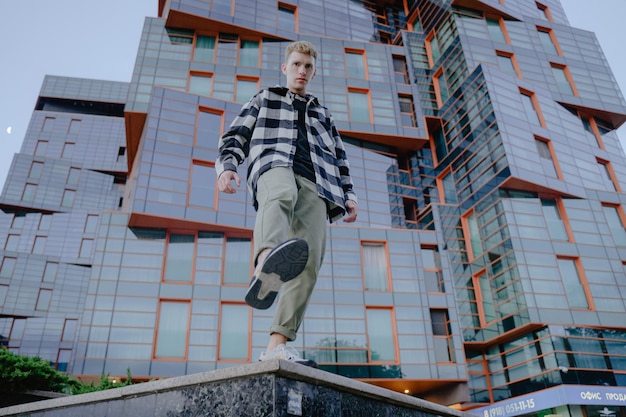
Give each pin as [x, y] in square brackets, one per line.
[23, 373]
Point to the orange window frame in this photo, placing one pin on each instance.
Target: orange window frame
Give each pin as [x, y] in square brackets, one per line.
[429, 48]
[513, 59]
[568, 76]
[437, 87]
[200, 74]
[610, 172]
[219, 333]
[535, 104]
[583, 281]
[292, 8]
[156, 330]
[190, 182]
[550, 32]
[440, 185]
[467, 235]
[363, 55]
[168, 235]
[225, 249]
[385, 246]
[366, 93]
[394, 331]
[555, 161]
[244, 78]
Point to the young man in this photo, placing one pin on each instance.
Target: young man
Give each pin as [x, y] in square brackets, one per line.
[298, 176]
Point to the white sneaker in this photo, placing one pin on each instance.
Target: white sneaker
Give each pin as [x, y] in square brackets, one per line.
[286, 353]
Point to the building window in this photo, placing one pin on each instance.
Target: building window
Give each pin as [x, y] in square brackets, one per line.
[11, 242]
[431, 262]
[563, 79]
[48, 124]
[380, 335]
[68, 150]
[36, 168]
[441, 87]
[69, 330]
[7, 267]
[18, 220]
[44, 222]
[484, 298]
[121, 152]
[68, 198]
[91, 223]
[249, 53]
[574, 283]
[179, 258]
[407, 110]
[204, 50]
[359, 102]
[400, 70]
[43, 300]
[237, 260]
[74, 127]
[553, 211]
[4, 290]
[50, 272]
[608, 175]
[246, 88]
[615, 219]
[171, 335]
[508, 63]
[72, 176]
[209, 127]
[446, 187]
[355, 64]
[497, 31]
[180, 36]
[375, 266]
[442, 335]
[63, 359]
[86, 248]
[287, 17]
[472, 235]
[548, 41]
[234, 335]
[432, 49]
[17, 330]
[202, 187]
[39, 245]
[200, 83]
[531, 106]
[544, 12]
[28, 195]
[546, 155]
[41, 148]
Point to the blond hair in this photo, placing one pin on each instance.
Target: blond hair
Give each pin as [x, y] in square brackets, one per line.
[304, 47]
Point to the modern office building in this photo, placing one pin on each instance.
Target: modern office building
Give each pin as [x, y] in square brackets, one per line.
[487, 269]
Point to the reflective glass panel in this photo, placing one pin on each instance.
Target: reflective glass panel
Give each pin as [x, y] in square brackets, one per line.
[172, 329]
[380, 333]
[234, 334]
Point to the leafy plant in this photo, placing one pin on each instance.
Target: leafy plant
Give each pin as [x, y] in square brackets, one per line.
[24, 373]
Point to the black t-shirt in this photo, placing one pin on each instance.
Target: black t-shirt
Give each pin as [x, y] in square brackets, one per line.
[302, 163]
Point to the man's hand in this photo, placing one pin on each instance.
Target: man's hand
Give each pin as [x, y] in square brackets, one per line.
[352, 210]
[224, 182]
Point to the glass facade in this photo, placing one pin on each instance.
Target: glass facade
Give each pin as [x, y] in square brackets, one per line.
[489, 257]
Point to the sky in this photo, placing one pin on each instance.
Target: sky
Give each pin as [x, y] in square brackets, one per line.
[99, 40]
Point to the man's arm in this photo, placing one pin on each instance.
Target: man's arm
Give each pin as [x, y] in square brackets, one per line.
[234, 146]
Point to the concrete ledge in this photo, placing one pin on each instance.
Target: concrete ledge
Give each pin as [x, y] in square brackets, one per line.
[263, 389]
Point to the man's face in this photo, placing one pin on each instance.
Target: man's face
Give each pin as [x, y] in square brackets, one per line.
[299, 69]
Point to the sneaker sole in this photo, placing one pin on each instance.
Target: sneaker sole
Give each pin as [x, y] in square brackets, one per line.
[284, 263]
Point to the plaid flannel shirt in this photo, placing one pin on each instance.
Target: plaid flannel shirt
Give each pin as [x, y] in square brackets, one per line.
[266, 131]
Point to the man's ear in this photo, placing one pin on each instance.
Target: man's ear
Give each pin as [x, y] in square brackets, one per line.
[283, 68]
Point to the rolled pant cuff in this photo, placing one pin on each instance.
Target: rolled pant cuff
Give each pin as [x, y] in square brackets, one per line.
[289, 334]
